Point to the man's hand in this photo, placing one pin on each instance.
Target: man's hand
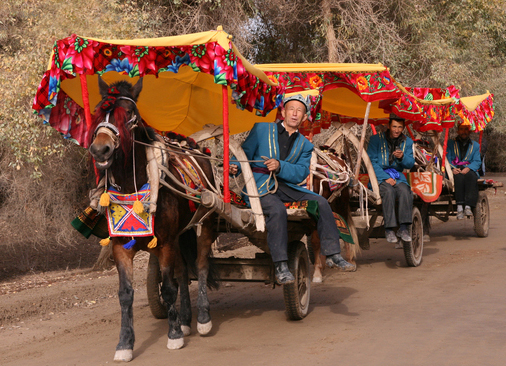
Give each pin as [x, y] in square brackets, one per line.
[232, 169]
[391, 181]
[456, 171]
[398, 154]
[272, 164]
[465, 170]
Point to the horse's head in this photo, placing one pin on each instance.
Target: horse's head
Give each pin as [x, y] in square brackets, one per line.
[115, 117]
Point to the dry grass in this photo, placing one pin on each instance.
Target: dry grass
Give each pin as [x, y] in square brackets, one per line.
[35, 214]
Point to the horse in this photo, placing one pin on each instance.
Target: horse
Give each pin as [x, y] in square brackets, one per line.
[120, 147]
[340, 205]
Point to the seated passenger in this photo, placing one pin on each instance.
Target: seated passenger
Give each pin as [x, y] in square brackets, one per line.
[391, 152]
[287, 155]
[463, 154]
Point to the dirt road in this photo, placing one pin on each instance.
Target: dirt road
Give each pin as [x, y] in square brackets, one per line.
[449, 311]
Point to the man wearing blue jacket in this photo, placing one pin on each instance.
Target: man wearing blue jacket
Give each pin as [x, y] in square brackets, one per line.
[463, 154]
[391, 152]
[278, 148]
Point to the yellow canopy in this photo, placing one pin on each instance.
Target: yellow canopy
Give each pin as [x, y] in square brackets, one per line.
[183, 79]
[471, 103]
[182, 102]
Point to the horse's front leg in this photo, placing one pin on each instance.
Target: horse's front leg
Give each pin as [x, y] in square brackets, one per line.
[124, 264]
[186, 306]
[204, 242]
[167, 259]
[318, 261]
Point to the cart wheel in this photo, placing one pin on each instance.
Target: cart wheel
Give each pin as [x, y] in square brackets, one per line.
[413, 250]
[153, 287]
[481, 215]
[297, 294]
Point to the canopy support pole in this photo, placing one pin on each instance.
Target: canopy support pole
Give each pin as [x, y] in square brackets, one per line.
[87, 116]
[481, 139]
[86, 102]
[362, 140]
[445, 145]
[226, 159]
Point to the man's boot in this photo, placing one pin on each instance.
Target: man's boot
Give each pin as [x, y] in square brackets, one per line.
[390, 236]
[282, 273]
[403, 233]
[337, 261]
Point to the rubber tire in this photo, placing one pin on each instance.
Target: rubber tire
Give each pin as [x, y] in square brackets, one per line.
[153, 284]
[297, 294]
[413, 250]
[482, 215]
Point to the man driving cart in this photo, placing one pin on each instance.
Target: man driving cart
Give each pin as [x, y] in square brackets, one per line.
[279, 149]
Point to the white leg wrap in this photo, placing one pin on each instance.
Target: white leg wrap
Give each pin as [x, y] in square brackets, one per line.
[123, 355]
[204, 329]
[317, 279]
[186, 330]
[175, 343]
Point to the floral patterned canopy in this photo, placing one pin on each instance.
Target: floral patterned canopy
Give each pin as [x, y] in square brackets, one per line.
[184, 75]
[182, 88]
[442, 108]
[432, 109]
[343, 89]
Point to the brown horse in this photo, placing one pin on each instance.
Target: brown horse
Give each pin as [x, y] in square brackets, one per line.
[118, 147]
[340, 205]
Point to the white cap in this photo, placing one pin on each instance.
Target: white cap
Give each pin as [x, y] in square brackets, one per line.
[299, 98]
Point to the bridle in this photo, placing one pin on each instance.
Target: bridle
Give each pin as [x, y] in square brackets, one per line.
[111, 130]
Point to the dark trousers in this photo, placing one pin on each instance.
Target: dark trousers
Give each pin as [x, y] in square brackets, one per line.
[466, 188]
[276, 222]
[389, 194]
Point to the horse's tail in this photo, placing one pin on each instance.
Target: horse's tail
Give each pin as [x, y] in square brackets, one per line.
[188, 248]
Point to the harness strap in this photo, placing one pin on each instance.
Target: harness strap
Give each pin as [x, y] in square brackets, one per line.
[107, 131]
[197, 165]
[178, 183]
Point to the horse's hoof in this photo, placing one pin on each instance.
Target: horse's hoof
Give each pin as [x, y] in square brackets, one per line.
[175, 343]
[204, 329]
[186, 330]
[317, 279]
[123, 355]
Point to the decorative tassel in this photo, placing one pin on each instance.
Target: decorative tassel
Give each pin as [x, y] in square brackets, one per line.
[130, 244]
[105, 200]
[138, 207]
[153, 243]
[105, 242]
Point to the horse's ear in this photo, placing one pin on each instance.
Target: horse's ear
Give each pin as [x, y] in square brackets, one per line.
[102, 87]
[136, 89]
